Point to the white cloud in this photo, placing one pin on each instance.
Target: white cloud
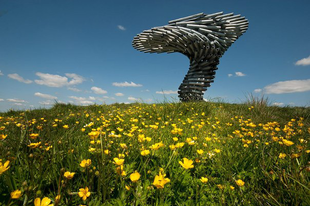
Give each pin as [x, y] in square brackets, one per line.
[303, 62]
[47, 102]
[120, 27]
[98, 90]
[119, 94]
[239, 74]
[81, 100]
[126, 84]
[258, 90]
[230, 75]
[279, 104]
[45, 96]
[1, 100]
[166, 92]
[291, 86]
[19, 78]
[74, 89]
[16, 100]
[92, 98]
[76, 79]
[134, 99]
[1, 73]
[54, 80]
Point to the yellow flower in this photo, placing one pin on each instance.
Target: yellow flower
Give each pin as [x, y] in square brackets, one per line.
[66, 126]
[204, 179]
[179, 145]
[240, 183]
[2, 136]
[85, 163]
[295, 155]
[118, 161]
[33, 136]
[120, 170]
[134, 177]
[34, 145]
[217, 150]
[208, 139]
[45, 202]
[282, 155]
[145, 152]
[160, 181]
[69, 175]
[93, 135]
[16, 194]
[84, 193]
[232, 187]
[4, 167]
[123, 145]
[200, 151]
[186, 164]
[287, 142]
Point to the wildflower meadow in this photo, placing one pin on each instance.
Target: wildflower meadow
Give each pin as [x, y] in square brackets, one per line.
[203, 153]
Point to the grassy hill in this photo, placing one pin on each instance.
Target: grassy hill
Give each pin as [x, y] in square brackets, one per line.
[162, 154]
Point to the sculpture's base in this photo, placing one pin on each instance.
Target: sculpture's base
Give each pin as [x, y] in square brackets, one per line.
[190, 97]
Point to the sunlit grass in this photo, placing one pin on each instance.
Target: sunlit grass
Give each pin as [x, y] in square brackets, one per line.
[161, 154]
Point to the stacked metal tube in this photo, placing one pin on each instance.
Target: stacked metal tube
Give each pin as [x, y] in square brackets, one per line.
[203, 38]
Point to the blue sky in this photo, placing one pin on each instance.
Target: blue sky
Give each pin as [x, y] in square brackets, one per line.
[80, 52]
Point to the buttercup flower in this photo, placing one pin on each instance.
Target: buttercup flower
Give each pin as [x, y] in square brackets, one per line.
[186, 164]
[134, 177]
[145, 152]
[287, 142]
[2, 136]
[16, 194]
[84, 193]
[282, 155]
[160, 181]
[204, 179]
[34, 145]
[118, 161]
[69, 175]
[33, 135]
[85, 163]
[200, 151]
[45, 202]
[240, 183]
[4, 167]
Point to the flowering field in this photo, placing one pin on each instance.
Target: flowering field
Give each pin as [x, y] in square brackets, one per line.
[161, 154]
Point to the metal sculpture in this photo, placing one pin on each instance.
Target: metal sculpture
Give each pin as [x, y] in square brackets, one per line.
[202, 38]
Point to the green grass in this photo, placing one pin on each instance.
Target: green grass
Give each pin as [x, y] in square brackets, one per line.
[245, 142]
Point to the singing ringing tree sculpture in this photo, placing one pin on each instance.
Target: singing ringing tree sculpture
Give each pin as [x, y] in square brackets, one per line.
[203, 38]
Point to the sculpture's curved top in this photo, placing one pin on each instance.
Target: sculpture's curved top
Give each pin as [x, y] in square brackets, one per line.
[202, 38]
